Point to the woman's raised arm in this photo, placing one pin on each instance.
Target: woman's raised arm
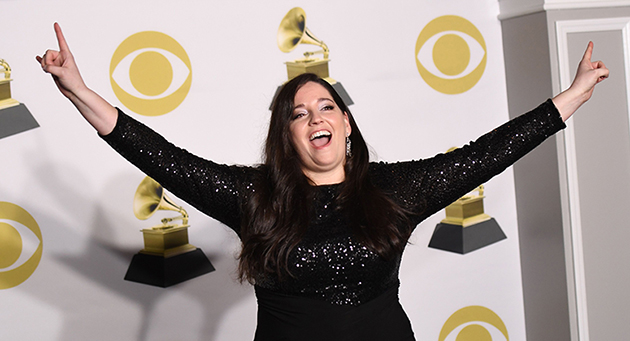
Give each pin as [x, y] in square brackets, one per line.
[60, 64]
[587, 76]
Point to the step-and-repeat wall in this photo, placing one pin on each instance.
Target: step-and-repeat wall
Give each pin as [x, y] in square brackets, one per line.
[424, 77]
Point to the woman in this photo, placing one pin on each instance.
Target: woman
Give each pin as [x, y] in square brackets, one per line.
[322, 228]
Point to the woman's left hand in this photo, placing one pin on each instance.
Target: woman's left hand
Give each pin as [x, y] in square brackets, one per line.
[587, 76]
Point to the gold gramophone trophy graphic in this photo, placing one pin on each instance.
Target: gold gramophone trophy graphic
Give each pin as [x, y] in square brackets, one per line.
[466, 227]
[14, 116]
[167, 258]
[293, 32]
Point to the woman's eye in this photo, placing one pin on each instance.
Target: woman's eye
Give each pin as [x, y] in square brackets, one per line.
[298, 115]
[328, 107]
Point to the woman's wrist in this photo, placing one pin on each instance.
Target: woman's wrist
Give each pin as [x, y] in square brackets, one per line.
[96, 110]
[568, 101]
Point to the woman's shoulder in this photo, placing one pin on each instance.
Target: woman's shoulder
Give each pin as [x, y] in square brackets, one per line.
[386, 174]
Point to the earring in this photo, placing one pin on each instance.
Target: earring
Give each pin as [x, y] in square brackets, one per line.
[348, 146]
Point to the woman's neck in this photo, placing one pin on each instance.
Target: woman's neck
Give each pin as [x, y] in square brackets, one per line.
[333, 177]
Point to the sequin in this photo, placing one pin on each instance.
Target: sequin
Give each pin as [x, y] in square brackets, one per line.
[329, 264]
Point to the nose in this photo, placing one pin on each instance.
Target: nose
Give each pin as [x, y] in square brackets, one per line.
[316, 117]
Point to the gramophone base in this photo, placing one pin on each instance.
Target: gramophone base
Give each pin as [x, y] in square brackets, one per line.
[164, 272]
[316, 66]
[16, 119]
[458, 239]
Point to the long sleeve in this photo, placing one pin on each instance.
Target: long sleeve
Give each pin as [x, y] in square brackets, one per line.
[215, 189]
[428, 185]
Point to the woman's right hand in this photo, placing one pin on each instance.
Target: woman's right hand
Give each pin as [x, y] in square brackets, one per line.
[60, 64]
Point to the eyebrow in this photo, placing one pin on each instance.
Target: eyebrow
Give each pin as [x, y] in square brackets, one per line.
[318, 101]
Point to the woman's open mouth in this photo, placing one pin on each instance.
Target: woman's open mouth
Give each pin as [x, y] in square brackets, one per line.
[320, 138]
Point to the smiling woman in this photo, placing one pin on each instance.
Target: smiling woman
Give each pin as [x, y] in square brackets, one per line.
[319, 130]
[322, 228]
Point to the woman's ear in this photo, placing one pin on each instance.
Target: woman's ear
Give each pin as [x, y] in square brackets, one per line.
[347, 121]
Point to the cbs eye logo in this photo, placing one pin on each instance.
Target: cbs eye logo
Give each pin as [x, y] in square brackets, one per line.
[450, 54]
[474, 323]
[20, 245]
[150, 73]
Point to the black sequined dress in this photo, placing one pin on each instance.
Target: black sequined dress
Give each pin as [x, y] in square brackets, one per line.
[341, 290]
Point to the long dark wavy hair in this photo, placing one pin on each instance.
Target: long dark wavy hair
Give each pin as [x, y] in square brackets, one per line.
[277, 215]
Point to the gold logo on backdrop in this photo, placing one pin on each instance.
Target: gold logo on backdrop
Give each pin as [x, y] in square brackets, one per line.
[293, 32]
[19, 236]
[5, 87]
[167, 257]
[451, 54]
[14, 116]
[150, 73]
[474, 323]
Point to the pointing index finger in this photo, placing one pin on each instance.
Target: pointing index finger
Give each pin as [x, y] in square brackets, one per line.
[589, 51]
[63, 46]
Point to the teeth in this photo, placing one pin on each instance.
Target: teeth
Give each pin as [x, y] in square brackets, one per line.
[319, 134]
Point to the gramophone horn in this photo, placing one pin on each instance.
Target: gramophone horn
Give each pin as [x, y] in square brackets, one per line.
[293, 31]
[150, 197]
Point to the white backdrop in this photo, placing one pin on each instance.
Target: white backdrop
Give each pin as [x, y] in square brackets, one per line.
[80, 191]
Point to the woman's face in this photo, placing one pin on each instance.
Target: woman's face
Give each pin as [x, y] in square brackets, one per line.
[318, 130]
